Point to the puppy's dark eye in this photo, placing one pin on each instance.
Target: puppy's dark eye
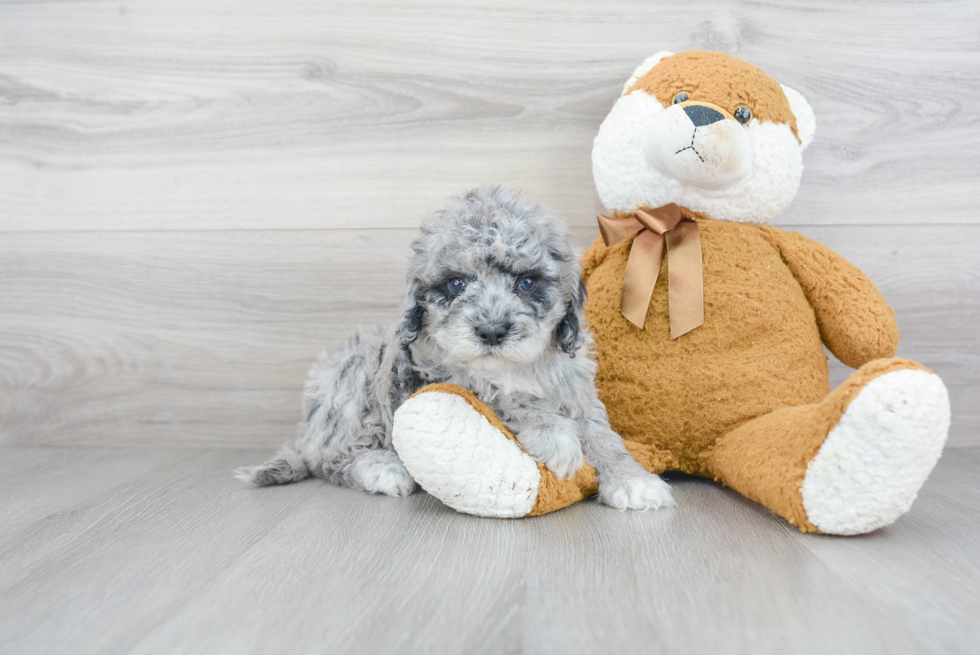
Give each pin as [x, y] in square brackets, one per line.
[679, 97]
[456, 286]
[743, 114]
[528, 284]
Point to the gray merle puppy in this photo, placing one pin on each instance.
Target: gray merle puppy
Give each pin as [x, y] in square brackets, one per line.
[494, 304]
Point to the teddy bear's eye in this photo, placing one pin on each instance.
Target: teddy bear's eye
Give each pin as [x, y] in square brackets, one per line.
[743, 114]
[679, 97]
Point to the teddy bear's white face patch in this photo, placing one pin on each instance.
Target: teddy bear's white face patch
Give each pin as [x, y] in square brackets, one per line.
[649, 155]
[699, 146]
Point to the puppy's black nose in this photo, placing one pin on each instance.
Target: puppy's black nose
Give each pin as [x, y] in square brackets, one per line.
[701, 115]
[493, 334]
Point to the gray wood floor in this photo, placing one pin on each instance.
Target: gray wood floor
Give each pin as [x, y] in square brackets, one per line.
[145, 550]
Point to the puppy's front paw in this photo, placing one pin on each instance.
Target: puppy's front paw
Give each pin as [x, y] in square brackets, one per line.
[393, 480]
[566, 460]
[645, 491]
[381, 472]
[559, 450]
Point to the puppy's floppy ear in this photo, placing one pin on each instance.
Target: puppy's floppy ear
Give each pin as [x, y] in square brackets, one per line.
[411, 323]
[568, 334]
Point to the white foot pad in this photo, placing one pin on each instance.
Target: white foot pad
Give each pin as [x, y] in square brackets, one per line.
[455, 454]
[875, 460]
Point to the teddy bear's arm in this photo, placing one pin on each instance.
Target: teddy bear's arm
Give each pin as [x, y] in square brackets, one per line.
[855, 322]
[592, 257]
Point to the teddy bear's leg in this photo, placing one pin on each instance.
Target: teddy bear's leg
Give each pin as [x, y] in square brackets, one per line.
[849, 464]
[651, 458]
[457, 449]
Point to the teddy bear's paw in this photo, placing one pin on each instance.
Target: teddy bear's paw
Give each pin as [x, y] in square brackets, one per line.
[873, 463]
[458, 456]
[643, 492]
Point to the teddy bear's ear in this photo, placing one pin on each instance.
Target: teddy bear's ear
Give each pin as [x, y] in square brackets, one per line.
[806, 122]
[643, 68]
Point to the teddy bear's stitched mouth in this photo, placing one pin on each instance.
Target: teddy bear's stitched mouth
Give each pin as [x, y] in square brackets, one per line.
[694, 135]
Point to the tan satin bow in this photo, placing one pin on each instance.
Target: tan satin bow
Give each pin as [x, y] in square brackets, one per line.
[660, 229]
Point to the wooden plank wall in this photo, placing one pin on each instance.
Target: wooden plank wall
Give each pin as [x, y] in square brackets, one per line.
[198, 196]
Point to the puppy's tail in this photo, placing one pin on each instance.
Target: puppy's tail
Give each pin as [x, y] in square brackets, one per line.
[287, 466]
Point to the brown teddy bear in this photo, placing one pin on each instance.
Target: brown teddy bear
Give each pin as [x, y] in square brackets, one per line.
[709, 325]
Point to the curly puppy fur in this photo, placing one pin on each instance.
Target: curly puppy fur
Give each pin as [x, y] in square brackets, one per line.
[493, 304]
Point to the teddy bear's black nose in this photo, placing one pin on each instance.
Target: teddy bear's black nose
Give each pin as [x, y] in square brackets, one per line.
[701, 115]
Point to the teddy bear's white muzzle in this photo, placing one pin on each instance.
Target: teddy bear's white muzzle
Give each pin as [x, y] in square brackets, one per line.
[699, 146]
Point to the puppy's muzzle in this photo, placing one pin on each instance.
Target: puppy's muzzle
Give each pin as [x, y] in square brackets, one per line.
[492, 334]
[699, 144]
